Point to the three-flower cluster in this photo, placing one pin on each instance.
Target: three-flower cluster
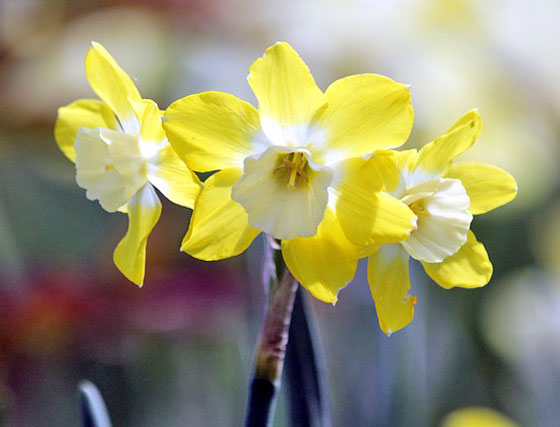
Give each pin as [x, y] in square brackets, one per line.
[309, 168]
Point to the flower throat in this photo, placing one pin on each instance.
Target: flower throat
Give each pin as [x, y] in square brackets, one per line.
[292, 168]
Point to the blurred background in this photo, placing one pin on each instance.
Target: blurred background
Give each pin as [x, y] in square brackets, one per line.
[179, 351]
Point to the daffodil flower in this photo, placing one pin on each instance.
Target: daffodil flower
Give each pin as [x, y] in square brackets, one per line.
[444, 197]
[289, 168]
[121, 152]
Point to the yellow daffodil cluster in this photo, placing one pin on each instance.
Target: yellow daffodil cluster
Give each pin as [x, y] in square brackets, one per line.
[312, 169]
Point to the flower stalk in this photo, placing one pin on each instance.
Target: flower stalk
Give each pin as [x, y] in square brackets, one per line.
[271, 352]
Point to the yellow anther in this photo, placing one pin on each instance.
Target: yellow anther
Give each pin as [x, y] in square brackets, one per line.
[295, 164]
[418, 209]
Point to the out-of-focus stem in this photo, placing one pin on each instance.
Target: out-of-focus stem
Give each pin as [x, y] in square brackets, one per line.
[271, 351]
[306, 371]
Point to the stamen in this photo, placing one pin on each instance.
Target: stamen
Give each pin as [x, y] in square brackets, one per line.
[295, 163]
[418, 209]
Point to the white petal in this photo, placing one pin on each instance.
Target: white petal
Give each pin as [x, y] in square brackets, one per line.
[127, 159]
[95, 173]
[271, 206]
[442, 230]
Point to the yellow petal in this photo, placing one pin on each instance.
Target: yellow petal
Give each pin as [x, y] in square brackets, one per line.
[213, 130]
[435, 158]
[389, 284]
[405, 159]
[477, 416]
[287, 94]
[389, 166]
[112, 85]
[152, 134]
[87, 113]
[169, 174]
[366, 112]
[488, 187]
[324, 263]
[367, 215]
[166, 171]
[130, 254]
[468, 268]
[219, 227]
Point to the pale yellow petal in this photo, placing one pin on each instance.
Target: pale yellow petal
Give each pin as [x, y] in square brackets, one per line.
[389, 284]
[468, 268]
[367, 215]
[112, 85]
[219, 228]
[169, 174]
[273, 207]
[130, 254]
[288, 97]
[86, 113]
[214, 130]
[488, 186]
[324, 263]
[434, 159]
[366, 112]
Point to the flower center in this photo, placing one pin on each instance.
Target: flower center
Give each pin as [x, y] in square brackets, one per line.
[419, 208]
[292, 167]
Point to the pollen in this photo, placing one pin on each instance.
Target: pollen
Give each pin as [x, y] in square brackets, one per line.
[292, 168]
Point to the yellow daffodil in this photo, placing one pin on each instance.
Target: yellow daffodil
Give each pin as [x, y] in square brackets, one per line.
[477, 416]
[294, 168]
[121, 152]
[444, 197]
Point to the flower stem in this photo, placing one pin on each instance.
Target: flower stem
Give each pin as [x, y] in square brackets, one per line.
[271, 352]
